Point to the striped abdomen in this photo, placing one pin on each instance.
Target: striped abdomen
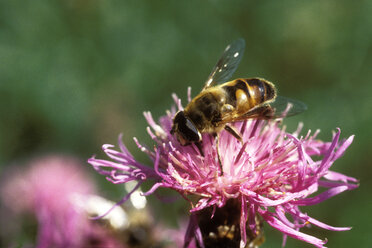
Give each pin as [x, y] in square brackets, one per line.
[244, 94]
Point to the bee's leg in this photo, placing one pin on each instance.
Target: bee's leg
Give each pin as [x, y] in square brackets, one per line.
[217, 138]
[200, 148]
[234, 133]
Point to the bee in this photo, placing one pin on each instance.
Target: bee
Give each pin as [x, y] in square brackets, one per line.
[222, 102]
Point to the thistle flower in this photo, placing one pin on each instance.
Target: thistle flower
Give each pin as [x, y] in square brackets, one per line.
[265, 179]
[49, 189]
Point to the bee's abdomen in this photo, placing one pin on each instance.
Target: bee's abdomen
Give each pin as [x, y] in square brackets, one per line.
[244, 94]
[263, 90]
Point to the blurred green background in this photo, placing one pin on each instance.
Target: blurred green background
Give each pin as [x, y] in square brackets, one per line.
[74, 74]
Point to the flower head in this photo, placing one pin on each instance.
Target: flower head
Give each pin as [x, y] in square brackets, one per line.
[49, 189]
[269, 175]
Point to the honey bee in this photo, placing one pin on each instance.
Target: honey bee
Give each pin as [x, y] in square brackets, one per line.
[221, 102]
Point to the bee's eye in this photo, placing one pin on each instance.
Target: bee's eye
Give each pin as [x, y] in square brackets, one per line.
[186, 128]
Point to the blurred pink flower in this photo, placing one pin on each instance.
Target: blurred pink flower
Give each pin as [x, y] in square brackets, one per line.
[270, 175]
[47, 189]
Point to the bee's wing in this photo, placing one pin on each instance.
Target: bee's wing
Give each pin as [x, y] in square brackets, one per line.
[280, 108]
[259, 112]
[283, 107]
[227, 64]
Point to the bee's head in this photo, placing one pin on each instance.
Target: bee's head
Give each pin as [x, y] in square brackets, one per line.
[185, 130]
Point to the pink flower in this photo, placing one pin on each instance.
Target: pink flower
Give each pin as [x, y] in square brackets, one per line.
[47, 189]
[269, 176]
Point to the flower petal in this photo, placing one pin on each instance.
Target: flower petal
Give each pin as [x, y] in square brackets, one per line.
[277, 224]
